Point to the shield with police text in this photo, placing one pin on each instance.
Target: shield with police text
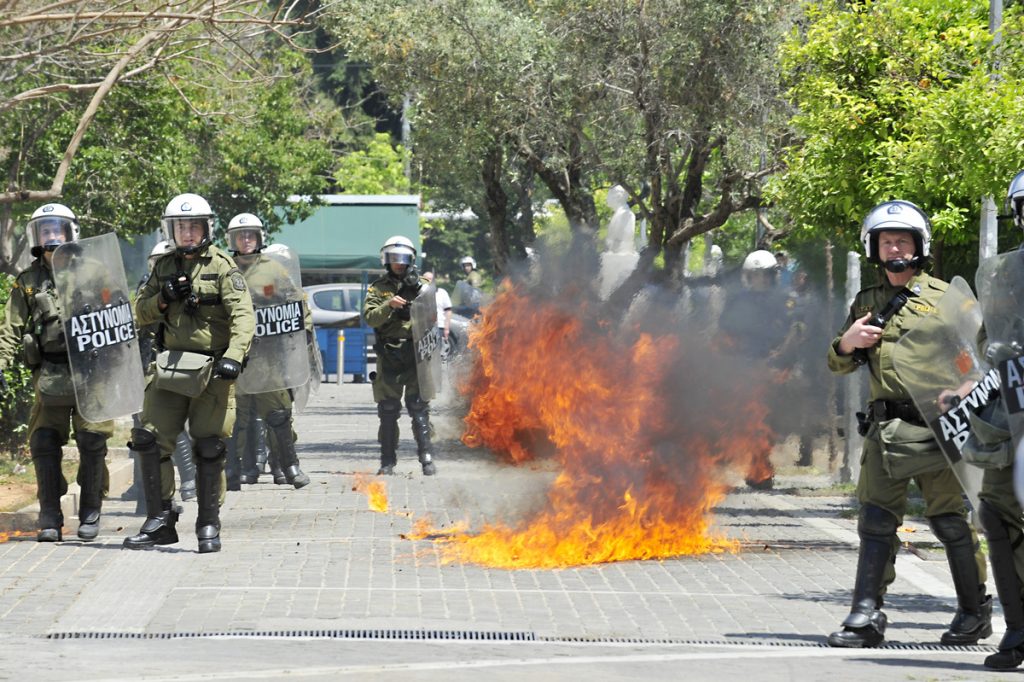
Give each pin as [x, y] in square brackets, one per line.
[99, 327]
[938, 363]
[426, 341]
[1000, 284]
[278, 357]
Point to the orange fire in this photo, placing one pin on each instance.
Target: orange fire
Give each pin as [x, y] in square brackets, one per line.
[641, 468]
[376, 493]
[5, 537]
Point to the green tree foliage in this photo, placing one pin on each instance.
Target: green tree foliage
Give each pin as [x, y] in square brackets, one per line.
[577, 95]
[896, 99]
[377, 169]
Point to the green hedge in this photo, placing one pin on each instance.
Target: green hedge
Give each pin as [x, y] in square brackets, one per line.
[16, 403]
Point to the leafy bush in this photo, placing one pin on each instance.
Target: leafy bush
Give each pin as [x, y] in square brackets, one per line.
[16, 403]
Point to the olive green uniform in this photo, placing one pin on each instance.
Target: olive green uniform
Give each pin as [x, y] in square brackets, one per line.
[898, 448]
[216, 320]
[33, 314]
[263, 273]
[396, 373]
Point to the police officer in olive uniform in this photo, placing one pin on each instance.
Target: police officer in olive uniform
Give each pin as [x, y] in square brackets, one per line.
[34, 320]
[1001, 514]
[246, 239]
[386, 309]
[896, 235]
[202, 303]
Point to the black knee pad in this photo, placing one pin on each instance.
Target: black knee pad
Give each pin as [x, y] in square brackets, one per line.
[416, 405]
[877, 521]
[211, 447]
[951, 529]
[389, 408]
[90, 441]
[45, 441]
[142, 439]
[278, 418]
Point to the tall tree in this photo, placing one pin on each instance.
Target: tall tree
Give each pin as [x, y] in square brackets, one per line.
[582, 93]
[113, 107]
[897, 99]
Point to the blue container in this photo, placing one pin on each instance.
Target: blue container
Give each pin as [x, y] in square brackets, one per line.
[354, 358]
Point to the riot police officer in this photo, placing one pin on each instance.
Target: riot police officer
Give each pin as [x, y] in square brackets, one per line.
[203, 306]
[182, 455]
[755, 326]
[386, 309]
[246, 240]
[1000, 511]
[896, 236]
[33, 321]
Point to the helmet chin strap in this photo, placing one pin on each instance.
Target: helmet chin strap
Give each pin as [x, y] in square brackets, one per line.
[898, 265]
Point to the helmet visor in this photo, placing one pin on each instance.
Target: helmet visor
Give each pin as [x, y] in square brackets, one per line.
[245, 240]
[50, 232]
[187, 232]
[398, 257]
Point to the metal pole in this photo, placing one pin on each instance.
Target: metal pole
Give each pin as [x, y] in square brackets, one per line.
[851, 450]
[988, 237]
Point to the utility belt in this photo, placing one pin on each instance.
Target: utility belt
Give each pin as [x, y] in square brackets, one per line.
[56, 358]
[884, 410]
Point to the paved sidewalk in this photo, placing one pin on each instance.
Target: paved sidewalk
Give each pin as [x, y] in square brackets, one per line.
[312, 584]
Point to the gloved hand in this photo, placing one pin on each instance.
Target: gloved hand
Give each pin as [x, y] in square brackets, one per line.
[226, 368]
[177, 288]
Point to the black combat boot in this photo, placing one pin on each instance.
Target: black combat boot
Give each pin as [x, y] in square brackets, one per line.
[419, 410]
[92, 453]
[210, 467]
[1002, 539]
[865, 626]
[280, 423]
[387, 435]
[45, 445]
[158, 528]
[973, 619]
[186, 466]
[275, 469]
[248, 433]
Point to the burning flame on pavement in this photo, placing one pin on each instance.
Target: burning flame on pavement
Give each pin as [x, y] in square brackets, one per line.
[5, 537]
[639, 474]
[375, 491]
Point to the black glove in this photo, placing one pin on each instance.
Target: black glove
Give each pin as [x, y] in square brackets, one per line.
[226, 368]
[177, 288]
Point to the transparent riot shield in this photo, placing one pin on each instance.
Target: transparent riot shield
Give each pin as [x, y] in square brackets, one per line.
[1000, 284]
[316, 373]
[99, 326]
[278, 357]
[427, 342]
[937, 361]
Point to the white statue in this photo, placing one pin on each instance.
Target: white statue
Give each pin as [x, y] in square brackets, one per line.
[621, 236]
[621, 257]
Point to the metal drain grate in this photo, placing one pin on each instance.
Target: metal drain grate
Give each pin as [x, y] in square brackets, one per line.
[495, 636]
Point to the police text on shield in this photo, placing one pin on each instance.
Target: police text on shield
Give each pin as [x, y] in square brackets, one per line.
[285, 318]
[101, 328]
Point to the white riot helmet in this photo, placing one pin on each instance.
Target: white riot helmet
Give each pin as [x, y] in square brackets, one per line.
[50, 226]
[187, 209]
[161, 249]
[397, 249]
[759, 262]
[468, 260]
[897, 216]
[1015, 199]
[246, 224]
